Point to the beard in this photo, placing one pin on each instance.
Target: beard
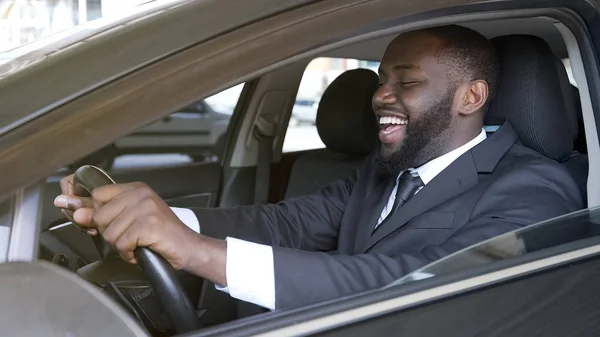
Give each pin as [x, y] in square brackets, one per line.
[425, 140]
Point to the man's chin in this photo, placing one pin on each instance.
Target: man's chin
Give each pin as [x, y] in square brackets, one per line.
[388, 149]
[386, 160]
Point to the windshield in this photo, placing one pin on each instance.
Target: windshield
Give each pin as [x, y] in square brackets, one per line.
[551, 233]
[26, 37]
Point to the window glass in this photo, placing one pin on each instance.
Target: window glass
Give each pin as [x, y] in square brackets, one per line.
[190, 134]
[547, 234]
[302, 132]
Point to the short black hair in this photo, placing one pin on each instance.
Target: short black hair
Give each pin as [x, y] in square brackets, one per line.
[469, 56]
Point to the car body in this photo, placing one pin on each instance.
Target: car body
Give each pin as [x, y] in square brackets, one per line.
[193, 131]
[177, 53]
[305, 111]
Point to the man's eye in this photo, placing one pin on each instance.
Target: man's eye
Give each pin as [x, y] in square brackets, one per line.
[407, 83]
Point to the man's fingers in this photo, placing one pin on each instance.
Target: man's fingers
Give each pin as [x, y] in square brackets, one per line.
[84, 217]
[106, 193]
[73, 203]
[92, 231]
[114, 229]
[109, 212]
[126, 244]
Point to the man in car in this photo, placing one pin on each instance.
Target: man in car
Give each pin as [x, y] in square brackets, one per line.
[435, 185]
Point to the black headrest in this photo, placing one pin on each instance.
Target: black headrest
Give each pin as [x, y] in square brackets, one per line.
[534, 96]
[345, 120]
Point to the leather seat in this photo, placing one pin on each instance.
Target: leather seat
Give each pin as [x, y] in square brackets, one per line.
[535, 96]
[348, 128]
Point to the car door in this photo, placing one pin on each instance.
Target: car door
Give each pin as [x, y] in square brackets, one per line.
[540, 280]
[181, 162]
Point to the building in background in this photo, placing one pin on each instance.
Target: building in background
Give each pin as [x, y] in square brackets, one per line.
[23, 21]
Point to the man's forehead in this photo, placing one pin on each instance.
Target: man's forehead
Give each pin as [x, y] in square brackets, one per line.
[411, 49]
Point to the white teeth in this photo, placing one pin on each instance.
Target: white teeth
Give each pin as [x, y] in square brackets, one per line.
[392, 120]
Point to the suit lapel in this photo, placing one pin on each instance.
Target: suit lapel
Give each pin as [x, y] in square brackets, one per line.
[372, 208]
[458, 177]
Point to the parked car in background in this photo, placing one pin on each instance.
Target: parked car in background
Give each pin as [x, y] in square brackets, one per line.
[304, 111]
[192, 131]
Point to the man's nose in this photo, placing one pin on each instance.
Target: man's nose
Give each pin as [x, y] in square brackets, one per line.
[384, 95]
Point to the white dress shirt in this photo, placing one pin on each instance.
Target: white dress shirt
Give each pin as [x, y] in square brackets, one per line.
[250, 271]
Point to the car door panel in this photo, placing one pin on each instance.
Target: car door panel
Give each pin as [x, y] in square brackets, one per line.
[560, 302]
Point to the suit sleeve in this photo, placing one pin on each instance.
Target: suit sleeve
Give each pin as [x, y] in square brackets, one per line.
[519, 198]
[308, 222]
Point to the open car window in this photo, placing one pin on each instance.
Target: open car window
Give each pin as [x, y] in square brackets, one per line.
[547, 234]
[302, 134]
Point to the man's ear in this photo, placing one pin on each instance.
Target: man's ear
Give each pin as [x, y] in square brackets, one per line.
[474, 97]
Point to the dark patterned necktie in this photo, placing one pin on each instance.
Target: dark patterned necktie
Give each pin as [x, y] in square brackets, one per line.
[408, 185]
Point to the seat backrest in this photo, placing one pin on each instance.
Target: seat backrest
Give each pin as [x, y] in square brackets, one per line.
[536, 97]
[348, 128]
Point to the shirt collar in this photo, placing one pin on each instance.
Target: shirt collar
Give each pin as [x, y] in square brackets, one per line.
[429, 170]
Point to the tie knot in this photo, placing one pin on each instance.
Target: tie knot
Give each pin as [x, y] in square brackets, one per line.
[413, 178]
[408, 185]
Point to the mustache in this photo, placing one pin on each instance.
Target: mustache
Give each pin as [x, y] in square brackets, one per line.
[389, 108]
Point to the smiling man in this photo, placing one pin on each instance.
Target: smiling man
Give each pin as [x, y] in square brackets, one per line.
[435, 185]
[421, 75]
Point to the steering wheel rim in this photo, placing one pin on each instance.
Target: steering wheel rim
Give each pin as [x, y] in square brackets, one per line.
[158, 271]
[168, 289]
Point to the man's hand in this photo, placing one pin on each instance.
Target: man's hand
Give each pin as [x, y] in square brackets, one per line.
[133, 215]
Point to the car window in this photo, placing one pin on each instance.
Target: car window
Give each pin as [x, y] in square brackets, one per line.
[191, 134]
[547, 234]
[302, 132]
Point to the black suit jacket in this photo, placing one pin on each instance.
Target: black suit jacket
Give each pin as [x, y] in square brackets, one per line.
[324, 244]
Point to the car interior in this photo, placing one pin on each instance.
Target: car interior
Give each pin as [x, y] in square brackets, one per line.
[536, 95]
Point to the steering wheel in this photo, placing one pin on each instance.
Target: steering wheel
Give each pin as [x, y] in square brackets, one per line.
[161, 275]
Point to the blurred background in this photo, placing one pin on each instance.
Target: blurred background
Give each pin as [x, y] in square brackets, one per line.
[23, 21]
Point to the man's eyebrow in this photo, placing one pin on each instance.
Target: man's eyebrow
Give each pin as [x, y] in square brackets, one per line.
[404, 66]
[407, 66]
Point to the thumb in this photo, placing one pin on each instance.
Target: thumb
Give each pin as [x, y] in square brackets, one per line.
[73, 203]
[84, 217]
[78, 209]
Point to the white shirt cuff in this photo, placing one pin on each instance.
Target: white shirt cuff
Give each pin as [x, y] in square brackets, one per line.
[250, 273]
[188, 217]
